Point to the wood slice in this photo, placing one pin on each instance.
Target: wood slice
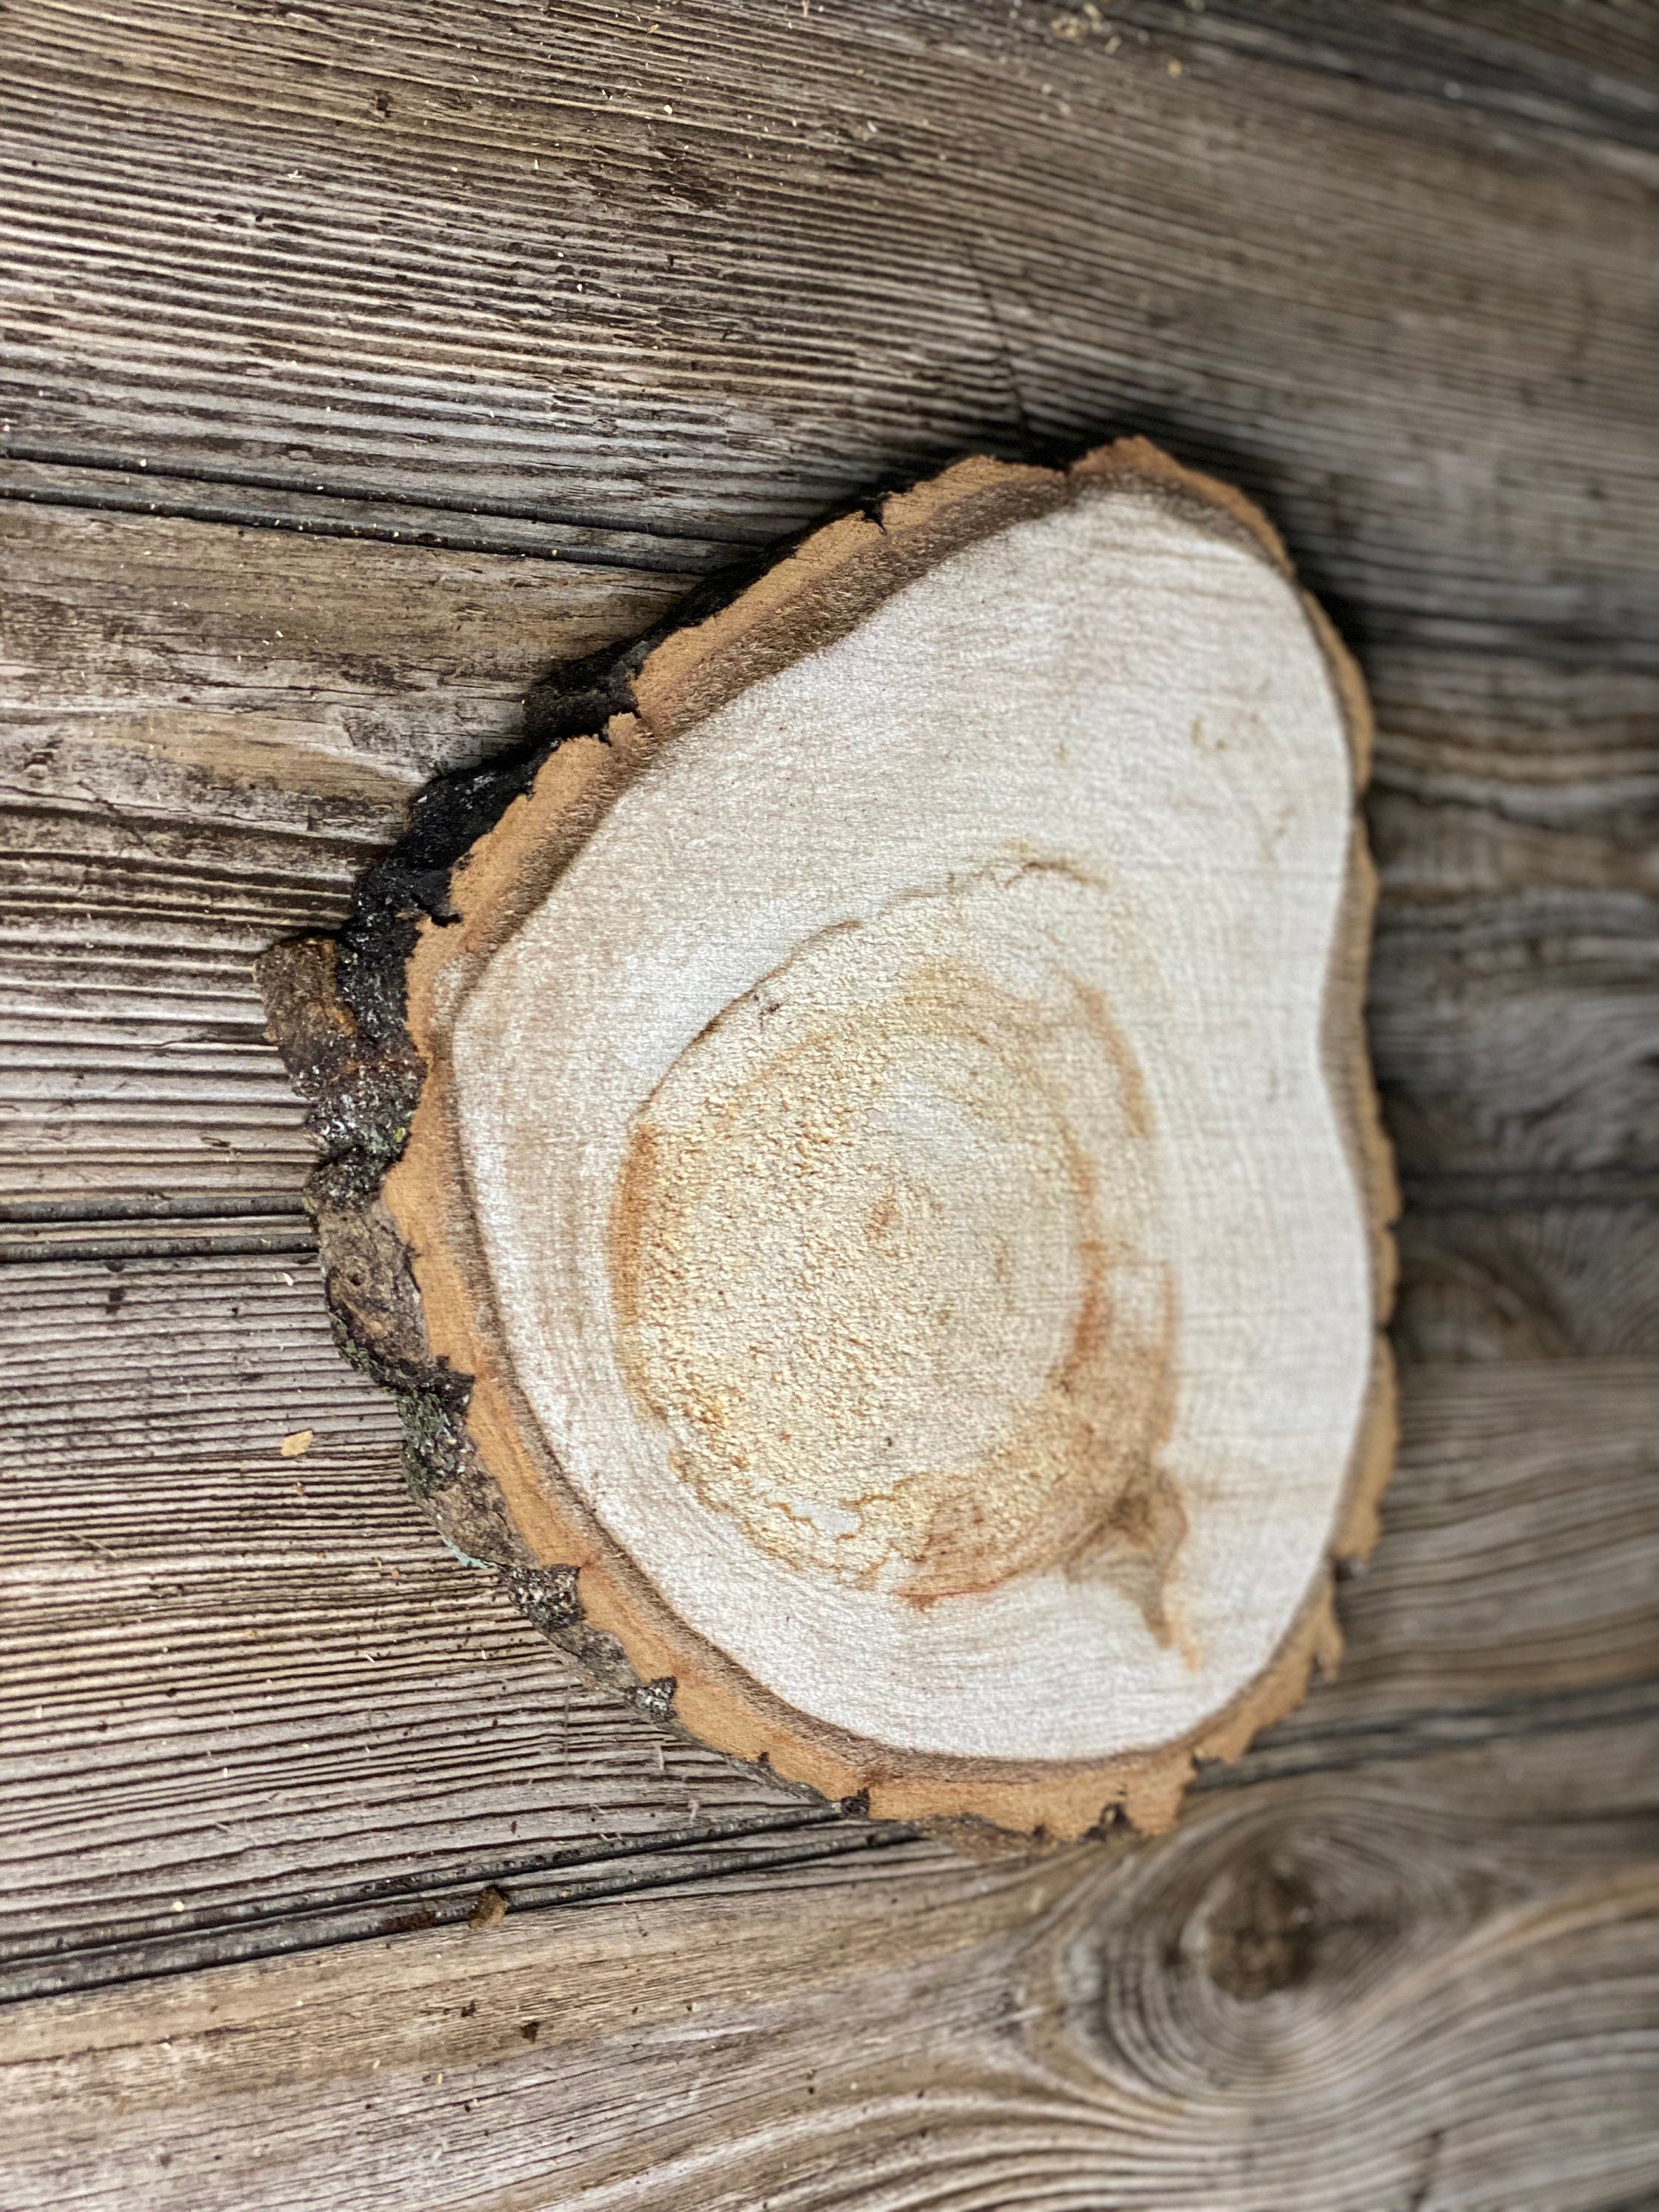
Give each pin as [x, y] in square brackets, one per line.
[864, 1166]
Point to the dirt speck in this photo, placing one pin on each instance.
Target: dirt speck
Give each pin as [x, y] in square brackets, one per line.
[490, 1910]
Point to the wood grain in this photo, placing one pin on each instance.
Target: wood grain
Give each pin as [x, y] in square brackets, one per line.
[252, 1704]
[1380, 1991]
[431, 339]
[206, 734]
[183, 785]
[711, 272]
[1519, 1280]
[313, 1704]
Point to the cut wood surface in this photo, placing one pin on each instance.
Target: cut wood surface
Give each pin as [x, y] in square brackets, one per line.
[884, 1141]
[361, 369]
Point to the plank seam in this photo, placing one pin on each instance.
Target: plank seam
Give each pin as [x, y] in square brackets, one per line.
[326, 512]
[418, 1907]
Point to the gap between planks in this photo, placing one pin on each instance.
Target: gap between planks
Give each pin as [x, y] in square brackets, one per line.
[110, 484]
[101, 1229]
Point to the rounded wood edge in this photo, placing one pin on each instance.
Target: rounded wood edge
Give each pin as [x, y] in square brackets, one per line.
[817, 594]
[829, 583]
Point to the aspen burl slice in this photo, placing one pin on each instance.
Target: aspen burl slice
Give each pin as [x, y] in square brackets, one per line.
[864, 1168]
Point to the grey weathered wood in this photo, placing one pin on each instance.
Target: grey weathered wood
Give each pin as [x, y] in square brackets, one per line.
[432, 341]
[711, 277]
[1431, 1983]
[210, 731]
[242, 1686]
[324, 1723]
[1520, 1280]
[195, 498]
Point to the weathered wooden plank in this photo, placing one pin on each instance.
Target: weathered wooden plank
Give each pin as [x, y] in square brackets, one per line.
[1433, 1985]
[454, 274]
[711, 272]
[319, 514]
[1589, 67]
[208, 733]
[1522, 1539]
[240, 1684]
[247, 1692]
[300, 685]
[1515, 819]
[1526, 1282]
[1518, 1033]
[211, 731]
[1513, 1038]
